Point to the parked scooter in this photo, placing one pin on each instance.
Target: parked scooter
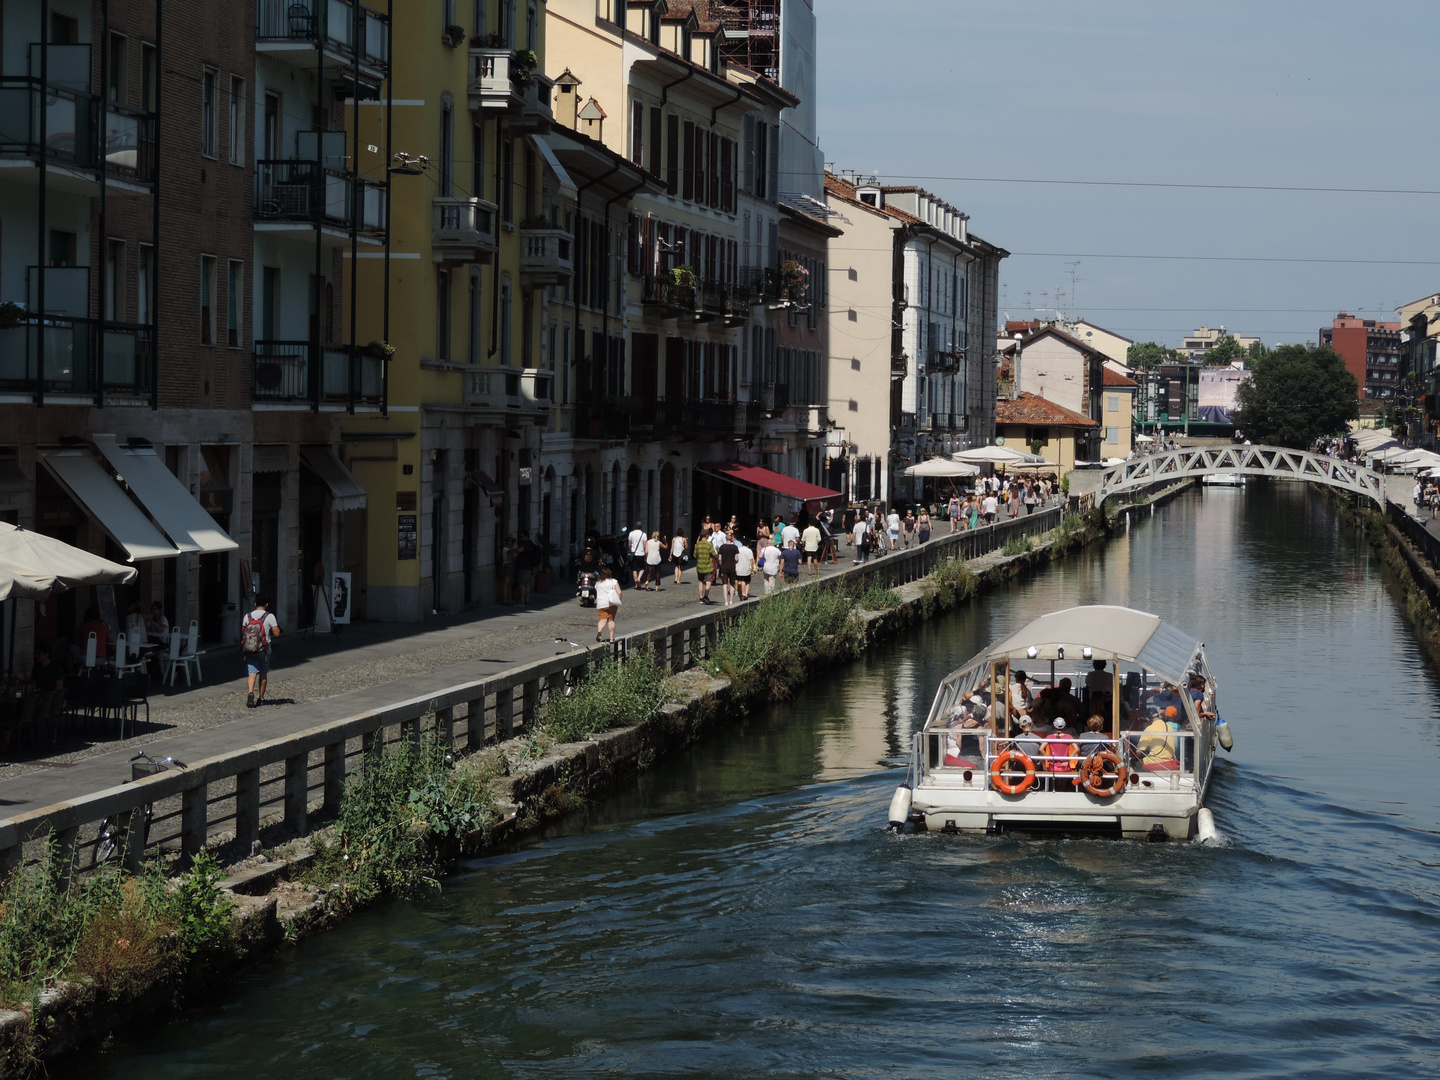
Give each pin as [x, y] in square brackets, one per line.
[585, 587]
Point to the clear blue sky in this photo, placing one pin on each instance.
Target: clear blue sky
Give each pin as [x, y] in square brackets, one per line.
[1310, 93]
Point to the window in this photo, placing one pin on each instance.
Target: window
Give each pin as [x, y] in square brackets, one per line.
[672, 153]
[507, 15]
[207, 299]
[442, 314]
[1112, 435]
[237, 121]
[1112, 404]
[476, 333]
[447, 147]
[687, 191]
[62, 248]
[270, 134]
[532, 28]
[505, 319]
[209, 119]
[527, 328]
[477, 160]
[115, 280]
[149, 79]
[478, 17]
[637, 132]
[145, 286]
[118, 76]
[235, 304]
[655, 142]
[507, 180]
[269, 301]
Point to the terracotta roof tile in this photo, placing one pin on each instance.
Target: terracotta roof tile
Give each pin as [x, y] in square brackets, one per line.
[1038, 412]
[1114, 378]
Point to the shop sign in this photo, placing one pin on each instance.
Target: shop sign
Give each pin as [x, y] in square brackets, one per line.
[407, 538]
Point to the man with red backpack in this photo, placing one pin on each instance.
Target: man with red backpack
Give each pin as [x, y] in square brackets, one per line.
[256, 633]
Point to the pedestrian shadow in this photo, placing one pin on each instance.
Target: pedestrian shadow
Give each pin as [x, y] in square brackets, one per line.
[275, 701]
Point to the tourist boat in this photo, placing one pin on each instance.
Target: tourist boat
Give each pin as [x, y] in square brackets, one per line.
[977, 767]
[1223, 479]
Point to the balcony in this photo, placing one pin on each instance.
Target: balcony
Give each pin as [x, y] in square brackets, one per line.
[758, 284]
[55, 354]
[506, 81]
[899, 366]
[301, 196]
[463, 230]
[592, 420]
[348, 34]
[129, 148]
[775, 397]
[545, 257]
[711, 418]
[283, 374]
[508, 390]
[58, 117]
[668, 299]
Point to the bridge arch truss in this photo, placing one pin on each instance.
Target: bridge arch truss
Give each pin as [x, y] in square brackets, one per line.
[1273, 461]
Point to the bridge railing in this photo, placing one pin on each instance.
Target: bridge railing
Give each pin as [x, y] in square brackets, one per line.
[1274, 461]
[275, 789]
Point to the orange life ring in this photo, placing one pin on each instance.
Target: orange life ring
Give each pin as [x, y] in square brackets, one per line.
[997, 772]
[1092, 774]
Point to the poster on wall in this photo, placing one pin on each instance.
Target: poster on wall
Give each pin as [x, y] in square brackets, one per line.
[407, 537]
[340, 598]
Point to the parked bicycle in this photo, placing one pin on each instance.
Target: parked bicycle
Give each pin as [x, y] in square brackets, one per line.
[108, 838]
[572, 674]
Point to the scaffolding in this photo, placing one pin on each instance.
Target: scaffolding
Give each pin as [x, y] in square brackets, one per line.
[750, 34]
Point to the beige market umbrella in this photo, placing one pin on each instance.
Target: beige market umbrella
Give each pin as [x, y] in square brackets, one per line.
[15, 587]
[45, 562]
[997, 455]
[942, 466]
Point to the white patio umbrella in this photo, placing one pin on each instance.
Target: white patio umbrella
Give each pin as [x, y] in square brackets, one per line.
[941, 466]
[15, 587]
[44, 561]
[995, 455]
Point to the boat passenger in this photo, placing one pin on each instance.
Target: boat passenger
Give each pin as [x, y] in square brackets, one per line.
[1197, 695]
[1093, 737]
[1168, 697]
[1157, 752]
[1027, 742]
[1022, 700]
[1062, 758]
[1060, 702]
[1098, 681]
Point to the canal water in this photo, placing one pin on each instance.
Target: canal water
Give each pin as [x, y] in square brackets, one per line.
[742, 912]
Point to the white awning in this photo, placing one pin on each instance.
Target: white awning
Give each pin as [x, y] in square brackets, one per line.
[164, 497]
[91, 486]
[346, 492]
[567, 186]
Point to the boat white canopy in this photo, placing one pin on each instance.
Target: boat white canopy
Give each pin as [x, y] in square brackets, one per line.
[1110, 632]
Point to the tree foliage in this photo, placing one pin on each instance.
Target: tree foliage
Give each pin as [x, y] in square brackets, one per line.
[1145, 355]
[1296, 394]
[1225, 350]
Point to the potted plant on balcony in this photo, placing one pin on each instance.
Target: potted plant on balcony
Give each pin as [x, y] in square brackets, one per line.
[536, 221]
[522, 67]
[684, 276]
[487, 41]
[453, 35]
[794, 280]
[381, 350]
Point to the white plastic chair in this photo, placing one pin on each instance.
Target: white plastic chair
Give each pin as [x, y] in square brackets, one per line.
[193, 652]
[90, 650]
[175, 660]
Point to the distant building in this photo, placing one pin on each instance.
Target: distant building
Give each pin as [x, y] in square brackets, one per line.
[1059, 435]
[1113, 345]
[1053, 365]
[1371, 351]
[1199, 342]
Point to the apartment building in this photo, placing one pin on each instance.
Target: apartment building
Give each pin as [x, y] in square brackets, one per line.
[124, 367]
[1371, 351]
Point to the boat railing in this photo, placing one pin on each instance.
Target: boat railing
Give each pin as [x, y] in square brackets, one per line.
[1154, 760]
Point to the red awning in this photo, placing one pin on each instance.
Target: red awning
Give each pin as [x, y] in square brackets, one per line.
[754, 476]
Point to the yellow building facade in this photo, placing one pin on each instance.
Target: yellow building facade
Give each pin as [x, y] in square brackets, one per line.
[450, 462]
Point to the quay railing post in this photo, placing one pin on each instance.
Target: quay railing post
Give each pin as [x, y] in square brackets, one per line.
[63, 851]
[334, 777]
[529, 703]
[475, 723]
[297, 792]
[194, 803]
[247, 807]
[504, 712]
[445, 727]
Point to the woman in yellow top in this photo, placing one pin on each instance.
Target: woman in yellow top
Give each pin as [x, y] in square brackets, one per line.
[704, 564]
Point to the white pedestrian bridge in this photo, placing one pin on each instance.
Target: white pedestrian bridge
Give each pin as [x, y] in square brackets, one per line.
[1276, 461]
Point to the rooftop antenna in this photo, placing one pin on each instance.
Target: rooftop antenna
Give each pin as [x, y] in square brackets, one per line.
[1074, 279]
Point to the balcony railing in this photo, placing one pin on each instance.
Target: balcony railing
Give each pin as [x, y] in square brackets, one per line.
[592, 420]
[668, 296]
[545, 257]
[508, 389]
[306, 192]
[59, 352]
[464, 228]
[328, 24]
[68, 121]
[899, 366]
[721, 417]
[502, 79]
[758, 283]
[283, 373]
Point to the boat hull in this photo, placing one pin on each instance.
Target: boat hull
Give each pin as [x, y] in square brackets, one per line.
[1135, 814]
